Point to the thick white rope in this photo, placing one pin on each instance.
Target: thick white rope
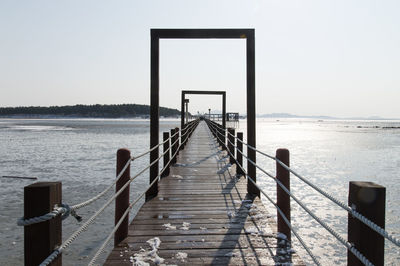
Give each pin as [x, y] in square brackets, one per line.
[353, 212]
[349, 246]
[341, 204]
[283, 216]
[103, 246]
[84, 227]
[155, 147]
[89, 201]
[63, 210]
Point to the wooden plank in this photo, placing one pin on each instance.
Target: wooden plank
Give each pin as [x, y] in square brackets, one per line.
[223, 224]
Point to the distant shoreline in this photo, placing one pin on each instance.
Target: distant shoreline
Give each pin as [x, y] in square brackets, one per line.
[286, 115]
[86, 111]
[79, 117]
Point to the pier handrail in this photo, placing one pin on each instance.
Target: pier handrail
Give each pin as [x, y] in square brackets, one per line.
[341, 204]
[103, 246]
[347, 244]
[64, 209]
[89, 201]
[280, 212]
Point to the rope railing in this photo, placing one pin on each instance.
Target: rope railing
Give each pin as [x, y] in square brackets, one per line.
[62, 210]
[84, 227]
[348, 245]
[65, 210]
[315, 260]
[103, 246]
[341, 204]
[156, 146]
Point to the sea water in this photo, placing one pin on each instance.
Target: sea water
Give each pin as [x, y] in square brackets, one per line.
[82, 153]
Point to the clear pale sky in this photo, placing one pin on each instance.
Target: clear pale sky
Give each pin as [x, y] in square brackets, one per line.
[338, 58]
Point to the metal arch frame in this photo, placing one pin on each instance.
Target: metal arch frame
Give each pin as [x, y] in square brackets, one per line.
[183, 97]
[156, 35]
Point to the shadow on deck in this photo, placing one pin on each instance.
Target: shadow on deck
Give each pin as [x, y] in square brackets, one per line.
[202, 215]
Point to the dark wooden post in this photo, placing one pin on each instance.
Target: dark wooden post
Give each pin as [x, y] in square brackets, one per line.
[231, 145]
[187, 132]
[368, 199]
[251, 111]
[166, 155]
[41, 239]
[223, 132]
[239, 156]
[283, 199]
[195, 123]
[178, 137]
[154, 111]
[173, 146]
[183, 136]
[218, 133]
[122, 201]
[221, 136]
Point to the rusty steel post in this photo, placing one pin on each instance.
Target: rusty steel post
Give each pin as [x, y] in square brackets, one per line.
[283, 199]
[122, 200]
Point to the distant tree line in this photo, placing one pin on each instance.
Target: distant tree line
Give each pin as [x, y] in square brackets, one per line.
[97, 110]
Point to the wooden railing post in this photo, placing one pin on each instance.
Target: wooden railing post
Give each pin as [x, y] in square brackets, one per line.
[41, 239]
[183, 136]
[173, 146]
[368, 199]
[122, 201]
[223, 131]
[231, 145]
[178, 137]
[283, 199]
[239, 156]
[166, 155]
[221, 136]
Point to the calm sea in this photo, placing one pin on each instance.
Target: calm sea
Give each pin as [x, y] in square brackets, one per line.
[81, 154]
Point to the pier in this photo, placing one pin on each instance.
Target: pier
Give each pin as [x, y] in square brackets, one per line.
[204, 215]
[203, 203]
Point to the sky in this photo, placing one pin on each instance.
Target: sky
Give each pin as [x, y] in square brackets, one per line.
[335, 57]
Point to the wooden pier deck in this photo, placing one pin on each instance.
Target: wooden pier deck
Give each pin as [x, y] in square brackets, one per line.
[202, 215]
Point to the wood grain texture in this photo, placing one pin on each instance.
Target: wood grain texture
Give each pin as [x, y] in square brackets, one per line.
[226, 226]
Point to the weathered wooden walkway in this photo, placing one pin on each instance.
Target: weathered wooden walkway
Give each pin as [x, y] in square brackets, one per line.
[202, 215]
